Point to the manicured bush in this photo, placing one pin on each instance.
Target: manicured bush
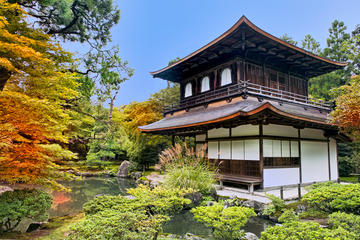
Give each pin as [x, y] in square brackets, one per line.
[118, 217]
[349, 222]
[186, 168]
[293, 229]
[20, 204]
[333, 197]
[225, 222]
[276, 207]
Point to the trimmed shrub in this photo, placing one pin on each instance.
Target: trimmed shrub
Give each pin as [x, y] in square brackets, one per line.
[333, 197]
[118, 217]
[20, 204]
[349, 222]
[293, 229]
[225, 222]
[276, 207]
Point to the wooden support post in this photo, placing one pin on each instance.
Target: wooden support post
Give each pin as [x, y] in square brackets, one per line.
[329, 164]
[173, 140]
[299, 191]
[251, 188]
[282, 192]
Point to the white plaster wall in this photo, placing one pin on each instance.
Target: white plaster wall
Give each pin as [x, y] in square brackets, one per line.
[225, 150]
[312, 133]
[333, 160]
[280, 130]
[213, 150]
[314, 161]
[237, 151]
[219, 132]
[245, 130]
[252, 151]
[268, 149]
[200, 137]
[274, 177]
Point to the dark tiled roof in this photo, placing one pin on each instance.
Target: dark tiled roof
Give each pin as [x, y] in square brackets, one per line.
[202, 116]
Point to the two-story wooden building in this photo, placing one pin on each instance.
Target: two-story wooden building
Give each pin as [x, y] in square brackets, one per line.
[245, 94]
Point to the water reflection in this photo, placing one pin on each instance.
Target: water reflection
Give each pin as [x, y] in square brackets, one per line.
[82, 191]
[184, 222]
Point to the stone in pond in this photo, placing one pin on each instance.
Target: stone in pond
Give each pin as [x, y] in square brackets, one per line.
[250, 236]
[124, 169]
[191, 236]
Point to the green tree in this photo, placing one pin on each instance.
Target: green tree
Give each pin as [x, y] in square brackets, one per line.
[288, 39]
[311, 45]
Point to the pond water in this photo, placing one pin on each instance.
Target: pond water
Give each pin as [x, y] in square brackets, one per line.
[68, 203]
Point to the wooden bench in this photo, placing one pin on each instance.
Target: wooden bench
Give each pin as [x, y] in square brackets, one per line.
[249, 181]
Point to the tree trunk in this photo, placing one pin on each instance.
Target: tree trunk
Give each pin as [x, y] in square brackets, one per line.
[4, 76]
[111, 110]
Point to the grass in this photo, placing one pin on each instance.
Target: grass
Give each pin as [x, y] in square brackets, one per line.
[351, 179]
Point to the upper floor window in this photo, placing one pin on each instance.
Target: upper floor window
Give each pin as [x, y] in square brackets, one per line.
[188, 90]
[205, 84]
[226, 77]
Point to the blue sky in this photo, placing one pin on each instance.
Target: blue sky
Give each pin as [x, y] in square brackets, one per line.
[152, 32]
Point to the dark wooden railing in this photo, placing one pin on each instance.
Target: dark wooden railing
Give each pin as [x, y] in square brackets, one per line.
[245, 88]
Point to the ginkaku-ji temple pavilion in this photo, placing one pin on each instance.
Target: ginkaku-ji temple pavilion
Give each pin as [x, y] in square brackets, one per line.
[245, 95]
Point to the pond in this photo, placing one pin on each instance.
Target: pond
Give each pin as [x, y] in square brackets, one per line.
[68, 203]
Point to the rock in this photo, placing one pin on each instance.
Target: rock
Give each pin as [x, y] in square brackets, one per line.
[174, 236]
[250, 236]
[5, 189]
[124, 169]
[259, 207]
[210, 203]
[195, 198]
[191, 236]
[23, 225]
[249, 204]
[143, 181]
[301, 208]
[136, 175]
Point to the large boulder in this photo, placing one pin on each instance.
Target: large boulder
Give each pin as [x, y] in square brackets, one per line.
[124, 169]
[190, 236]
[250, 236]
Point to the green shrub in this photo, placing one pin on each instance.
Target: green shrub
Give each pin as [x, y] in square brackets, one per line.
[115, 224]
[313, 214]
[276, 207]
[20, 204]
[349, 222]
[333, 197]
[187, 169]
[293, 229]
[225, 222]
[118, 217]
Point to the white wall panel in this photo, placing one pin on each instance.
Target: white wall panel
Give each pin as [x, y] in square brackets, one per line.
[285, 148]
[312, 133]
[314, 161]
[276, 148]
[225, 150]
[268, 148]
[333, 160]
[252, 149]
[275, 177]
[237, 150]
[213, 150]
[218, 132]
[200, 137]
[245, 130]
[294, 149]
[280, 130]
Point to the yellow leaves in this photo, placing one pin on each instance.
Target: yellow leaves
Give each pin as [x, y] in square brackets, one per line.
[5, 63]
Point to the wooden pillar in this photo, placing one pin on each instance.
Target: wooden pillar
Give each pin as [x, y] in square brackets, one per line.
[215, 79]
[173, 140]
[328, 149]
[261, 152]
[238, 73]
[299, 149]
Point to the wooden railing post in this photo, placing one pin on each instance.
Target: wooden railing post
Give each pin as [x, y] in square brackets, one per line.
[282, 192]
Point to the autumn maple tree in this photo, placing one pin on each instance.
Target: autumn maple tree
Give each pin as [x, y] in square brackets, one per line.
[347, 112]
[36, 87]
